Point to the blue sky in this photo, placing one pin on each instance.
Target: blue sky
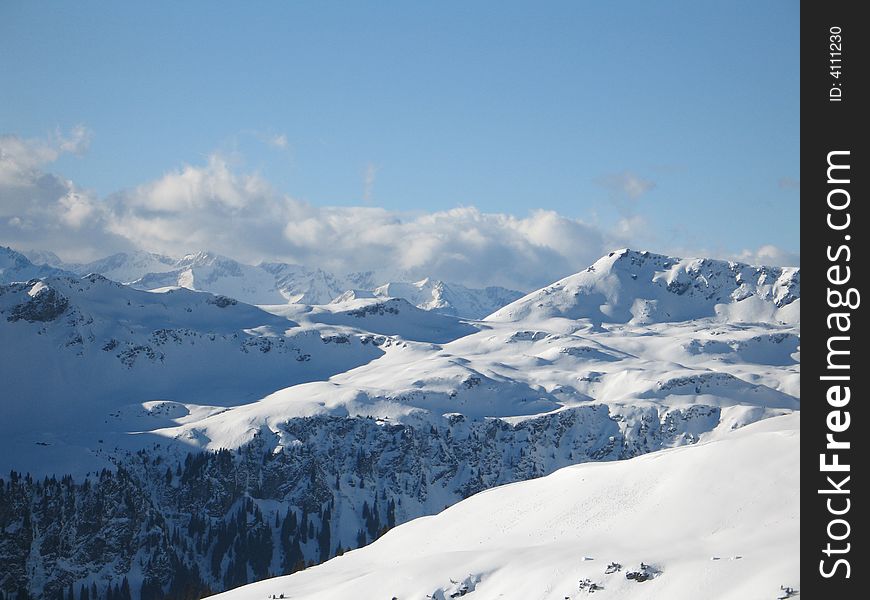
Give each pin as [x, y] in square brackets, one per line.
[675, 123]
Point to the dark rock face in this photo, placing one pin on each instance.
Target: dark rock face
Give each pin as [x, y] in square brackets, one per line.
[180, 526]
[223, 301]
[47, 304]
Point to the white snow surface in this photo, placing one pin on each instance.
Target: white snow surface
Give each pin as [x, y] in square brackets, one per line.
[14, 266]
[81, 359]
[452, 299]
[271, 283]
[715, 520]
[628, 286]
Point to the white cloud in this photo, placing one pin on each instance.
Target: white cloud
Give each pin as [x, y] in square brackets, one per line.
[214, 206]
[21, 158]
[75, 209]
[462, 244]
[769, 255]
[278, 141]
[45, 210]
[77, 141]
[625, 189]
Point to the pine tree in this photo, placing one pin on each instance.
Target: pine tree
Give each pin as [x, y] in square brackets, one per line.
[323, 540]
[303, 526]
[391, 514]
[124, 591]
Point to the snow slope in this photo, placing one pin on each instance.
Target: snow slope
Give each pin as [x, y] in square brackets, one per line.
[388, 316]
[125, 267]
[79, 350]
[716, 520]
[14, 266]
[207, 271]
[354, 415]
[640, 374]
[278, 283]
[642, 287]
[87, 351]
[451, 299]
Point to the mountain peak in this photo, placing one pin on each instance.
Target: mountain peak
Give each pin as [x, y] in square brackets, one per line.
[642, 287]
[15, 266]
[204, 258]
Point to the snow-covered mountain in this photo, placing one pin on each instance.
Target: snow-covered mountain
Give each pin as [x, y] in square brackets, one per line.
[15, 266]
[91, 351]
[642, 287]
[451, 299]
[206, 271]
[227, 443]
[301, 285]
[278, 283]
[717, 520]
[44, 257]
[125, 267]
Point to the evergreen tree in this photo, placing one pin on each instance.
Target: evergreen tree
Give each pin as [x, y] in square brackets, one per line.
[292, 557]
[303, 526]
[151, 590]
[391, 514]
[124, 590]
[323, 540]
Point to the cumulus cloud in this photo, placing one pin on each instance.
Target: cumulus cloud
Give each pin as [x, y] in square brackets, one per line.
[462, 244]
[214, 206]
[39, 209]
[21, 158]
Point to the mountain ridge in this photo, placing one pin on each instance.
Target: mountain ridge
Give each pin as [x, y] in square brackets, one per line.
[190, 442]
[643, 287]
[280, 283]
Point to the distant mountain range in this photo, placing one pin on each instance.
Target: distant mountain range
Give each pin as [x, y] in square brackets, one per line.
[274, 283]
[167, 442]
